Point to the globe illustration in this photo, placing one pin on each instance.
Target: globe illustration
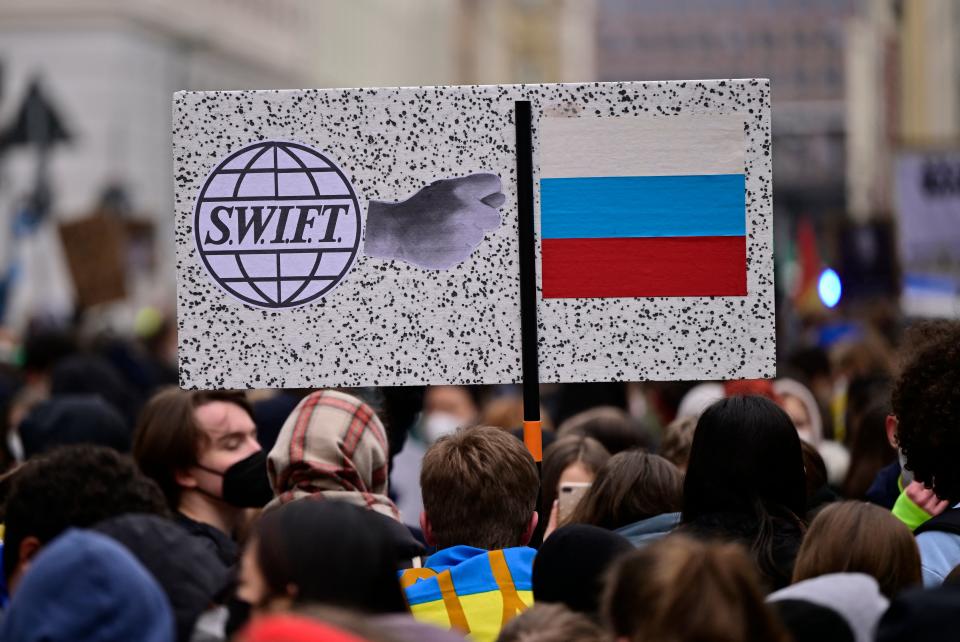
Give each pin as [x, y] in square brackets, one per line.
[277, 225]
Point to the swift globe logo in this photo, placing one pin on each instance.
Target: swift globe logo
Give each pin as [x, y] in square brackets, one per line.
[277, 225]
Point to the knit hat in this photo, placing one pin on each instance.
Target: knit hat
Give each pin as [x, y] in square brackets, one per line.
[73, 419]
[334, 553]
[332, 446]
[571, 564]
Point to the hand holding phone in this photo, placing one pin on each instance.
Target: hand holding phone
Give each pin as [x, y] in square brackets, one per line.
[570, 495]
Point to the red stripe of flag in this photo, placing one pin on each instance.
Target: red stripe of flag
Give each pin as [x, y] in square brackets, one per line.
[642, 267]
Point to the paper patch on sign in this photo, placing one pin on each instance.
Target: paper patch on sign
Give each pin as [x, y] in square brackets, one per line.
[277, 225]
[643, 206]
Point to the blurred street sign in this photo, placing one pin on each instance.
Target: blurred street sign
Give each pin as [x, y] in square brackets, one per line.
[37, 122]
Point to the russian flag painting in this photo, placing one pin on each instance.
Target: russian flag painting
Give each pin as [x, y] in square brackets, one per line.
[643, 206]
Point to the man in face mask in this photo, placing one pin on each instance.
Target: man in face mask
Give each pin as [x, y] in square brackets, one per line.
[445, 408]
[201, 448]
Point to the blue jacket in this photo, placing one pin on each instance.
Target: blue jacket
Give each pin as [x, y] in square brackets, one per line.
[85, 587]
[650, 530]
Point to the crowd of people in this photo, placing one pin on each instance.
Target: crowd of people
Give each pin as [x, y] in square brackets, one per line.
[822, 505]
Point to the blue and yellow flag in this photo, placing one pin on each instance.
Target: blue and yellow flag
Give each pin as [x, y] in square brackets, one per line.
[470, 589]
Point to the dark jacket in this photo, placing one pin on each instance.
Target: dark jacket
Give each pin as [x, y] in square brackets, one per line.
[773, 545]
[885, 488]
[187, 568]
[221, 544]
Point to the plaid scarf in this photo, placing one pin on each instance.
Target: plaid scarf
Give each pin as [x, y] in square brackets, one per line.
[332, 446]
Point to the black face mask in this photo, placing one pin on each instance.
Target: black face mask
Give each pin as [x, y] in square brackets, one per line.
[246, 484]
[239, 614]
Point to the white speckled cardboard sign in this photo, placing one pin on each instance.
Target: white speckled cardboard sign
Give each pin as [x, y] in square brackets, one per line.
[369, 236]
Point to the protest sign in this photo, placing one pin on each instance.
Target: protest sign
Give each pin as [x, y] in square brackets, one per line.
[94, 247]
[928, 213]
[370, 236]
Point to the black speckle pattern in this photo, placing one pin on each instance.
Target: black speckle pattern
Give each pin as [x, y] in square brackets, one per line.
[390, 323]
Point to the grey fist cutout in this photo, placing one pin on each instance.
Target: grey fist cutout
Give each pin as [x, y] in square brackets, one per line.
[438, 227]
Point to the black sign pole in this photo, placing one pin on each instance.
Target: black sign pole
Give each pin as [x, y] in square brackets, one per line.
[532, 433]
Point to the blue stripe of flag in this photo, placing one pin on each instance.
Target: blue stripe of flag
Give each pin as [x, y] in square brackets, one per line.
[643, 206]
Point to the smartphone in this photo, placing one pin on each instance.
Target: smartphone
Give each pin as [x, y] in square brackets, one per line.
[570, 495]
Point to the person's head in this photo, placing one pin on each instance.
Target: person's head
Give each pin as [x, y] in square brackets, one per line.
[187, 440]
[856, 537]
[85, 587]
[87, 374]
[572, 563]
[680, 589]
[677, 439]
[855, 597]
[630, 487]
[551, 623]
[574, 458]
[801, 406]
[745, 458]
[326, 552]
[864, 391]
[332, 446]
[507, 412]
[73, 419]
[871, 449]
[611, 426]
[806, 621]
[74, 486]
[479, 489]
[926, 403]
[812, 363]
[186, 568]
[921, 615]
[453, 401]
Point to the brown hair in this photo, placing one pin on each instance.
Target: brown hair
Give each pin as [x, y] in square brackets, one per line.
[677, 440]
[168, 438]
[631, 486]
[479, 489]
[856, 537]
[507, 412]
[551, 623]
[559, 456]
[609, 425]
[680, 589]
[814, 472]
[870, 451]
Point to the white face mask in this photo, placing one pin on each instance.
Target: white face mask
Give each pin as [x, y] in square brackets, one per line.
[438, 424]
[15, 445]
[211, 625]
[906, 476]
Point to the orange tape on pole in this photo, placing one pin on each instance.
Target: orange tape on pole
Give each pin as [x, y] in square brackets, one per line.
[533, 438]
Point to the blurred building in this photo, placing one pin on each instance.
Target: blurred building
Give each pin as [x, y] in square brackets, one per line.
[904, 151]
[930, 68]
[437, 42]
[797, 44]
[110, 68]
